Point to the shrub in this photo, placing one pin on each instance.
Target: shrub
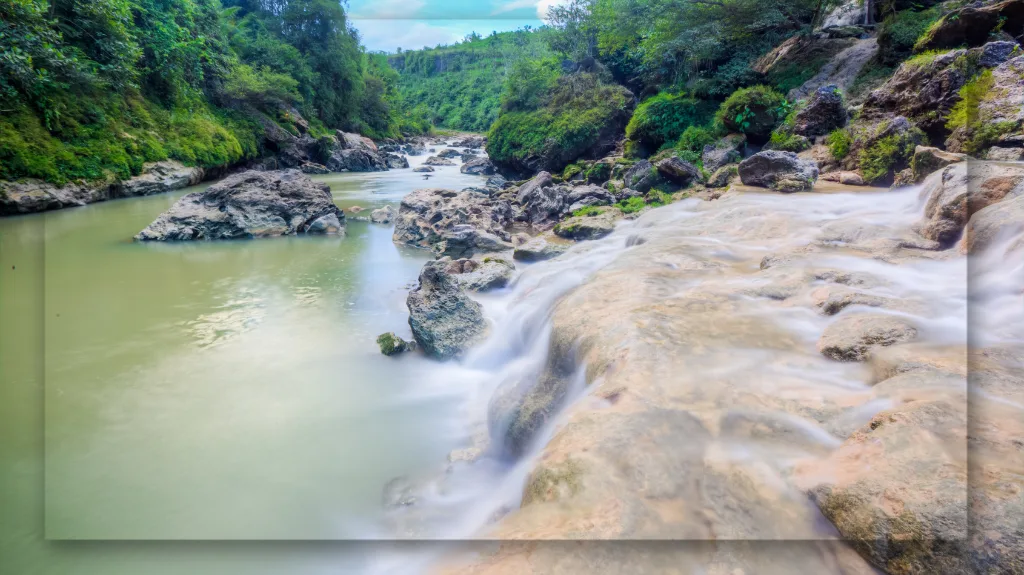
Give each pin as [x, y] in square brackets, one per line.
[582, 112]
[632, 205]
[695, 138]
[661, 120]
[900, 31]
[880, 159]
[839, 143]
[260, 86]
[754, 111]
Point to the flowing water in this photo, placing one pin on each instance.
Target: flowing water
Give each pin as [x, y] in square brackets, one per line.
[233, 391]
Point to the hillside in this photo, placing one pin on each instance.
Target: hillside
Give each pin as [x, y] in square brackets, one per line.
[93, 90]
[459, 87]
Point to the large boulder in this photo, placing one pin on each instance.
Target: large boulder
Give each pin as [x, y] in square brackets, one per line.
[481, 275]
[642, 177]
[449, 154]
[974, 25]
[1002, 221]
[882, 148]
[825, 111]
[960, 190]
[728, 150]
[444, 320]
[478, 167]
[356, 160]
[465, 241]
[541, 201]
[780, 171]
[250, 205]
[384, 215]
[428, 217]
[677, 171]
[928, 160]
[396, 162]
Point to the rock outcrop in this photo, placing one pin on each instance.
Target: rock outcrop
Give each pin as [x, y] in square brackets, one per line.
[825, 111]
[728, 150]
[780, 171]
[250, 205]
[960, 190]
[481, 275]
[999, 117]
[444, 320]
[974, 25]
[428, 217]
[32, 196]
[853, 337]
[478, 167]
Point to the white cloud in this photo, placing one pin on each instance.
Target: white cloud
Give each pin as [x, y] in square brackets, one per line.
[544, 5]
[387, 35]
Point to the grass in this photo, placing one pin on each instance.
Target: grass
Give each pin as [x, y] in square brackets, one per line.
[632, 205]
[588, 211]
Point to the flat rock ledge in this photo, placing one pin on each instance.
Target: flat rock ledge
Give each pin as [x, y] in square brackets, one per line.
[250, 205]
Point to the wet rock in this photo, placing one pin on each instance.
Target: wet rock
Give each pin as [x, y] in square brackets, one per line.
[465, 240]
[960, 190]
[928, 160]
[478, 167]
[396, 162]
[851, 179]
[851, 338]
[425, 217]
[538, 249]
[849, 13]
[497, 182]
[472, 142]
[250, 205]
[438, 161]
[973, 25]
[780, 171]
[997, 154]
[998, 222]
[679, 172]
[449, 154]
[390, 344]
[585, 196]
[542, 202]
[384, 215]
[444, 320]
[311, 168]
[642, 177]
[482, 275]
[898, 488]
[423, 170]
[723, 176]
[588, 227]
[831, 300]
[824, 113]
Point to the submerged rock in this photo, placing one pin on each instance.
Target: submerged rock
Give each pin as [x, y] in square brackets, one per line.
[780, 171]
[384, 215]
[444, 320]
[250, 205]
[423, 170]
[390, 344]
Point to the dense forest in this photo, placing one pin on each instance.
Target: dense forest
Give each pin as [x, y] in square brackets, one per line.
[92, 89]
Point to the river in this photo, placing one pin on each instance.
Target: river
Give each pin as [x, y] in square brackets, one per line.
[207, 391]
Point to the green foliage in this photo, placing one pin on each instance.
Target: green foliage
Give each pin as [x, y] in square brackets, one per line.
[694, 139]
[632, 205]
[260, 87]
[580, 108]
[882, 158]
[588, 211]
[839, 143]
[966, 116]
[754, 111]
[900, 31]
[459, 87]
[788, 142]
[662, 119]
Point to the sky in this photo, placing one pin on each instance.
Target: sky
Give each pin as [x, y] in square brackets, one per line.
[413, 24]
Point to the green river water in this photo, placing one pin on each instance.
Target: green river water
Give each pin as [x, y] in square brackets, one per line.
[207, 407]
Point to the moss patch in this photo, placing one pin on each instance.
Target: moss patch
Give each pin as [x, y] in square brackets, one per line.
[551, 483]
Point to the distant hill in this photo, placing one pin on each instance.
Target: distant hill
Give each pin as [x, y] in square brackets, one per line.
[459, 87]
